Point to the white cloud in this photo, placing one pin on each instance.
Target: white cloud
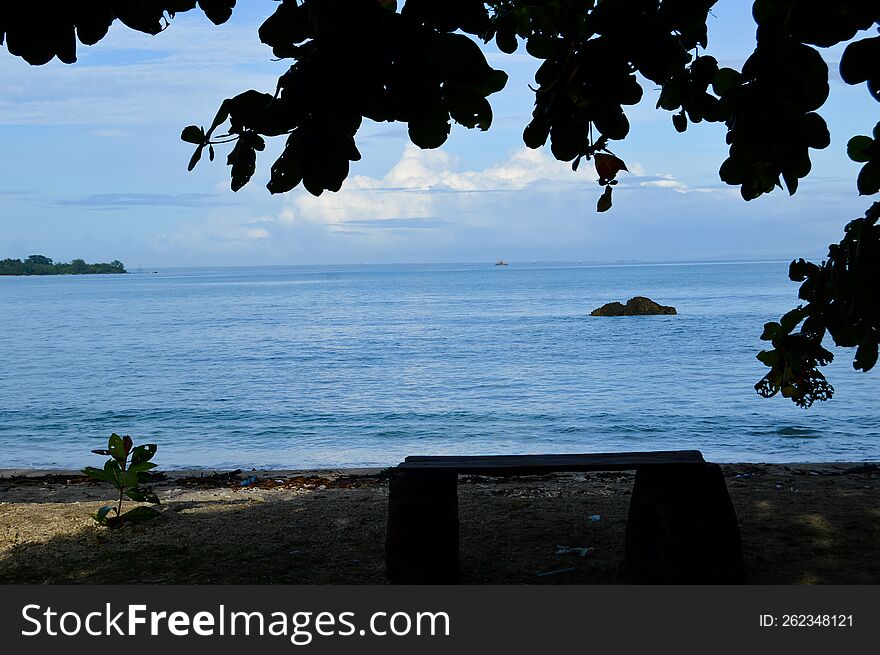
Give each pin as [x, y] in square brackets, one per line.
[666, 181]
[428, 183]
[428, 207]
[217, 233]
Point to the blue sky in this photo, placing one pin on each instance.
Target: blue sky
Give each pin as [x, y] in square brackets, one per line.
[94, 168]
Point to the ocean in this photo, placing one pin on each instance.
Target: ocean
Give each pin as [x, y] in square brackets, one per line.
[351, 366]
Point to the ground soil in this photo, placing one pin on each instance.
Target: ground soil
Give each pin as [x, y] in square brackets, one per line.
[800, 524]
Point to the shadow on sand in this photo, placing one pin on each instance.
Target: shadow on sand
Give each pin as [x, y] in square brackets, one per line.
[813, 530]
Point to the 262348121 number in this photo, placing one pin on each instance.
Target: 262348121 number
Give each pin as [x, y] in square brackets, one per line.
[816, 620]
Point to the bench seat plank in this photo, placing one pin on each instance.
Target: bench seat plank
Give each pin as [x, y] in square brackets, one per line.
[533, 464]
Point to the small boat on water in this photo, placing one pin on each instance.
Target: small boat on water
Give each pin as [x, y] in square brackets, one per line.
[501, 262]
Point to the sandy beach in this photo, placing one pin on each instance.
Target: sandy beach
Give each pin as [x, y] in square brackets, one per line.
[800, 524]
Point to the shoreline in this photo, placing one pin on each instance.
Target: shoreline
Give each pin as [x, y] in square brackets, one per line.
[13, 472]
[800, 523]
[7, 473]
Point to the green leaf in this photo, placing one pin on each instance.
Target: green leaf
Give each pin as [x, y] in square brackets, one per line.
[98, 474]
[856, 146]
[142, 467]
[112, 469]
[140, 513]
[193, 134]
[143, 453]
[768, 357]
[142, 495]
[101, 515]
[116, 446]
[604, 203]
[126, 479]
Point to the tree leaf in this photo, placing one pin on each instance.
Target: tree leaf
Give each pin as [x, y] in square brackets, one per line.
[217, 11]
[771, 331]
[141, 467]
[724, 80]
[856, 146]
[98, 474]
[197, 155]
[101, 515]
[193, 134]
[868, 181]
[604, 203]
[143, 453]
[116, 446]
[142, 495]
[679, 122]
[430, 130]
[866, 355]
[859, 60]
[140, 513]
[608, 166]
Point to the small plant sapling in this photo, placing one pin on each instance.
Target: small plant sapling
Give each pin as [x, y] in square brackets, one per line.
[126, 470]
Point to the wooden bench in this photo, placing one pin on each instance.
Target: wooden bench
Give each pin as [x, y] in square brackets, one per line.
[681, 527]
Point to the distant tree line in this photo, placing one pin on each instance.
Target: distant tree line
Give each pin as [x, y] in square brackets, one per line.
[40, 265]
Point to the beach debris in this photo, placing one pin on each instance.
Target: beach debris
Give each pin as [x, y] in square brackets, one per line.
[556, 572]
[743, 475]
[594, 518]
[575, 550]
[247, 482]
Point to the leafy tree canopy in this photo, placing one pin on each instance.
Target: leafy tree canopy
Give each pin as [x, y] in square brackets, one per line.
[421, 64]
[42, 265]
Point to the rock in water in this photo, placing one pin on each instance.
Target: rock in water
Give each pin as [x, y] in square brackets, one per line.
[611, 309]
[638, 306]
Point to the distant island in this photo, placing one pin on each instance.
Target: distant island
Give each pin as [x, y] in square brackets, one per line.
[40, 265]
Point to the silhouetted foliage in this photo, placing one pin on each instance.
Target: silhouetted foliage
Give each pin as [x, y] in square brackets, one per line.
[356, 59]
[841, 299]
[40, 265]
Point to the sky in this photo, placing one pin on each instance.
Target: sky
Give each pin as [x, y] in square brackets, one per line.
[93, 167]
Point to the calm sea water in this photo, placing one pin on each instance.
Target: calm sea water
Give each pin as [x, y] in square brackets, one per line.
[362, 365]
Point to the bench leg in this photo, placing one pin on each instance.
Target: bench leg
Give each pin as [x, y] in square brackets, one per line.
[682, 528]
[421, 546]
